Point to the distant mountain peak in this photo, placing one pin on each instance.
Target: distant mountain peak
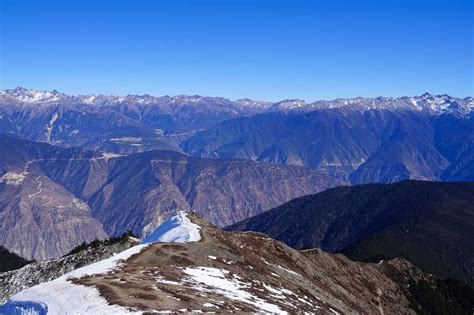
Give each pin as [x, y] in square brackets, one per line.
[33, 96]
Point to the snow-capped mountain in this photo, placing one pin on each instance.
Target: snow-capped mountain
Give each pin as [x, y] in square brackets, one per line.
[100, 122]
[290, 105]
[434, 104]
[30, 96]
[225, 272]
[425, 102]
[25, 96]
[97, 121]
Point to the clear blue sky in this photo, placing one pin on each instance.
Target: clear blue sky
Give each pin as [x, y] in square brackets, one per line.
[262, 49]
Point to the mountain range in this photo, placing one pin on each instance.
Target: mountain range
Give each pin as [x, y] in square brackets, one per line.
[359, 140]
[52, 198]
[350, 143]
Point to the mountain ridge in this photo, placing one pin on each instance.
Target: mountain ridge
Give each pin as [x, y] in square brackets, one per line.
[426, 101]
[357, 146]
[428, 223]
[243, 272]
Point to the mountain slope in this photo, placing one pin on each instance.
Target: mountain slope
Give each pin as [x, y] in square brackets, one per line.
[238, 272]
[53, 199]
[428, 223]
[374, 145]
[39, 217]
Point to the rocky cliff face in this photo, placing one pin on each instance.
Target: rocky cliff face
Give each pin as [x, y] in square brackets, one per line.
[53, 198]
[234, 272]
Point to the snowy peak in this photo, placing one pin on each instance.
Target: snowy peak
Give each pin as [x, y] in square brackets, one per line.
[289, 105]
[247, 102]
[33, 96]
[434, 104]
[176, 229]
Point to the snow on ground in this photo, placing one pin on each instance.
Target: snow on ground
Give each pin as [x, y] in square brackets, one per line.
[176, 229]
[49, 127]
[214, 280]
[61, 296]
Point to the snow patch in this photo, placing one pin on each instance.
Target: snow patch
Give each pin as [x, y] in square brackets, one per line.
[49, 127]
[127, 139]
[176, 229]
[60, 296]
[214, 280]
[90, 99]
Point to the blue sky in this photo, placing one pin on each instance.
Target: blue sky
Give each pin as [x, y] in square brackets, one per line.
[262, 49]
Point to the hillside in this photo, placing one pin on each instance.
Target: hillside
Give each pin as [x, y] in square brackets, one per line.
[428, 223]
[355, 143]
[14, 281]
[209, 270]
